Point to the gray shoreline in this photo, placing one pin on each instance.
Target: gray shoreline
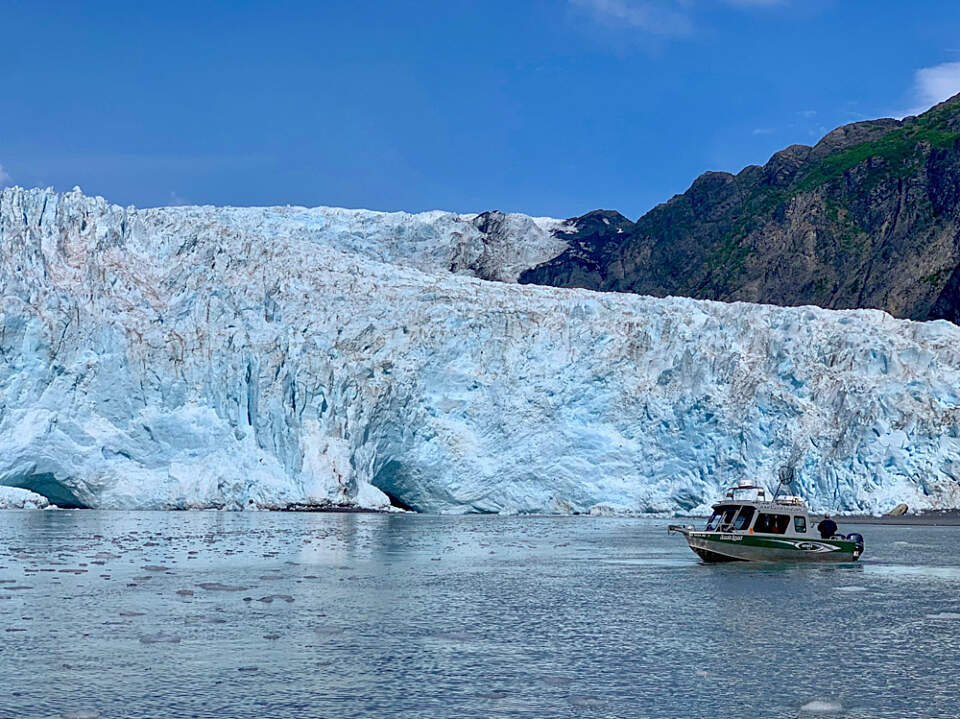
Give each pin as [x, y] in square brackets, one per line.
[932, 518]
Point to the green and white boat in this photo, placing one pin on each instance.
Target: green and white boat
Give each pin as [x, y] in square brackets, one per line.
[747, 526]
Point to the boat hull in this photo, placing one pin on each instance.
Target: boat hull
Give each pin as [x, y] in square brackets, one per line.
[724, 547]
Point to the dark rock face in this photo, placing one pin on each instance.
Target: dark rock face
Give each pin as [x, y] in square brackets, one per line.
[869, 217]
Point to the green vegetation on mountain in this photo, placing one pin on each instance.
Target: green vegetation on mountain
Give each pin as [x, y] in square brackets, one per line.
[868, 217]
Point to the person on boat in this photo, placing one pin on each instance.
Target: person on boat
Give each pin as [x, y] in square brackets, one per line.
[827, 527]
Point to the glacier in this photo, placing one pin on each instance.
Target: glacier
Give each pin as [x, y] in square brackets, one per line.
[240, 358]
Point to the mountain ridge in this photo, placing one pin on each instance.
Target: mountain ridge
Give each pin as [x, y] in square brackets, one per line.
[868, 217]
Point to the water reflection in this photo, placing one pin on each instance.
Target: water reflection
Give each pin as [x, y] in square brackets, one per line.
[343, 615]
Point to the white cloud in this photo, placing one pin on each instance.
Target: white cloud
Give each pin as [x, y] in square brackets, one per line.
[668, 18]
[659, 18]
[763, 131]
[177, 200]
[935, 84]
[5, 178]
[931, 86]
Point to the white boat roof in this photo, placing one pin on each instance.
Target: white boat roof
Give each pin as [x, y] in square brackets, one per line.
[789, 503]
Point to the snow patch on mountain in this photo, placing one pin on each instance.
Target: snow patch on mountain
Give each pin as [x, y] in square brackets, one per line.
[241, 357]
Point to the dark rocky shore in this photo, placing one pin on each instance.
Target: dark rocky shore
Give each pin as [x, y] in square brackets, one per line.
[335, 507]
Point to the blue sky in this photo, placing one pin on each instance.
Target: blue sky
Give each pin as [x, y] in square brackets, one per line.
[546, 107]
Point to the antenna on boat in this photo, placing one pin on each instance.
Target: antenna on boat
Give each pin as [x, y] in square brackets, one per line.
[786, 474]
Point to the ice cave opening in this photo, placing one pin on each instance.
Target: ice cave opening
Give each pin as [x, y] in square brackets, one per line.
[393, 481]
[47, 485]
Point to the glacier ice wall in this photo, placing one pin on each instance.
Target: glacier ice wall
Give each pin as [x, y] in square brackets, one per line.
[229, 357]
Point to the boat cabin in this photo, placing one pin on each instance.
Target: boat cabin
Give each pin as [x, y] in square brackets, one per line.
[745, 509]
[748, 527]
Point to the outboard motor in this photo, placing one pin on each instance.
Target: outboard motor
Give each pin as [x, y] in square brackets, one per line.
[858, 538]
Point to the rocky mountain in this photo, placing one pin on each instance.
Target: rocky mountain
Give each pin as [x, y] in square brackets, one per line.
[242, 358]
[869, 217]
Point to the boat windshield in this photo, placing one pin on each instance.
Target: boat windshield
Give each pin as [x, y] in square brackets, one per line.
[714, 521]
[722, 519]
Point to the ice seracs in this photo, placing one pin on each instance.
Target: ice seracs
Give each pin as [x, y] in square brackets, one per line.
[492, 245]
[225, 357]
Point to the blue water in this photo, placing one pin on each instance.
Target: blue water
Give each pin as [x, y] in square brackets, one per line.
[420, 616]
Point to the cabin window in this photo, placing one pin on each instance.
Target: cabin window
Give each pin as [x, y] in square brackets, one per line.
[800, 524]
[714, 521]
[772, 523]
[743, 519]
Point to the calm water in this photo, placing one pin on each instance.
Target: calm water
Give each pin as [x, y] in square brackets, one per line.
[291, 615]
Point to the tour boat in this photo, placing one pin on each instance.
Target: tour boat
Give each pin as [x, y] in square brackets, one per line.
[747, 526]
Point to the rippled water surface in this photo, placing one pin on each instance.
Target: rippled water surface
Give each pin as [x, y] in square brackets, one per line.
[213, 614]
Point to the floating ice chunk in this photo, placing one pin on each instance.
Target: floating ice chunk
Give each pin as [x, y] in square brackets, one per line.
[822, 706]
[160, 638]
[191, 621]
[15, 498]
[218, 587]
[605, 509]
